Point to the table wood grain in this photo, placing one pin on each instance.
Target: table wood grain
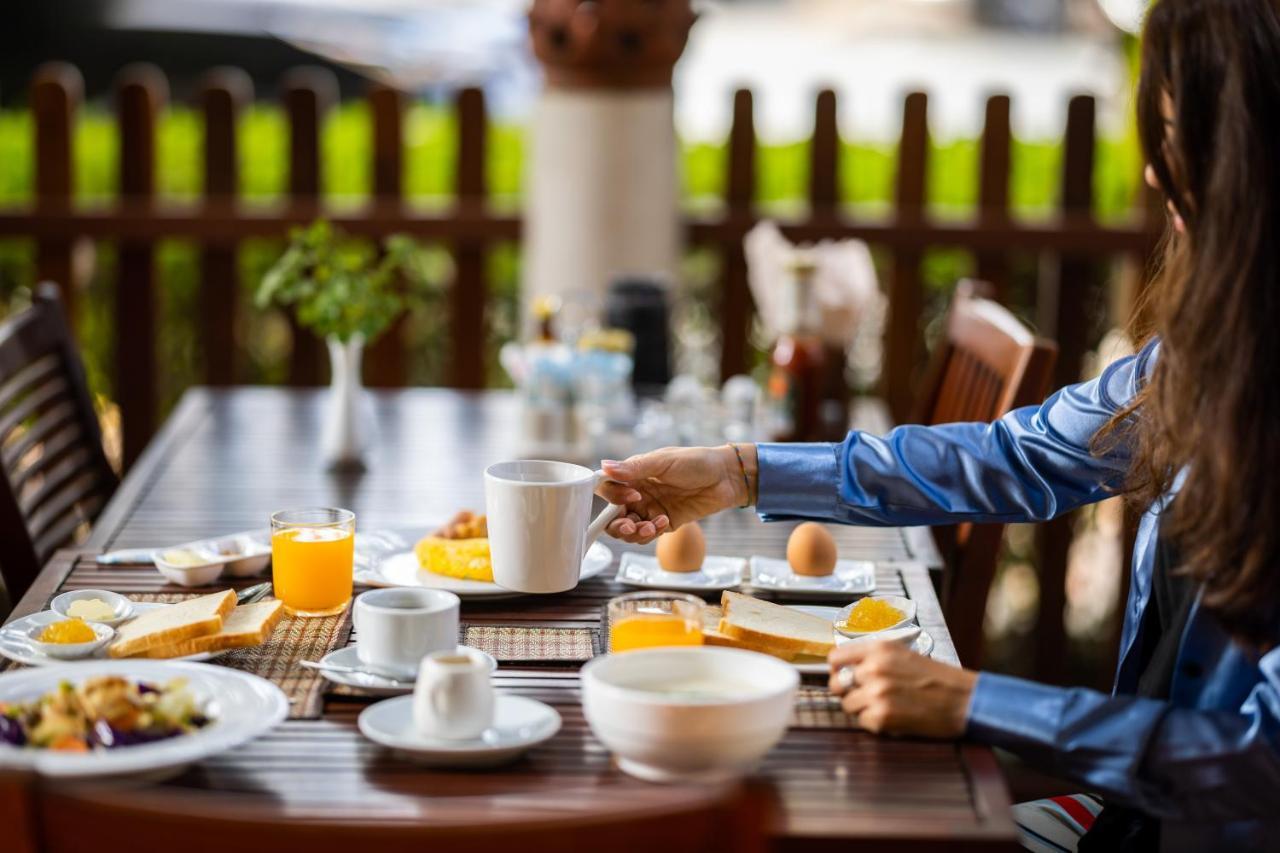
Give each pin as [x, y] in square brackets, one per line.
[227, 458]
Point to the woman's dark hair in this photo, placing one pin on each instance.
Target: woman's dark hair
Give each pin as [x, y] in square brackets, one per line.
[1208, 108]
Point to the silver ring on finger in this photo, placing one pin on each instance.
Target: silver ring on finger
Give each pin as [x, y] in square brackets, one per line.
[845, 678]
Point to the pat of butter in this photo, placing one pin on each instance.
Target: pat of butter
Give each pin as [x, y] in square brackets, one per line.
[93, 609]
[183, 558]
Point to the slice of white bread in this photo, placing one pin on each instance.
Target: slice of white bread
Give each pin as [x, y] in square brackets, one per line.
[195, 617]
[711, 636]
[248, 625]
[783, 631]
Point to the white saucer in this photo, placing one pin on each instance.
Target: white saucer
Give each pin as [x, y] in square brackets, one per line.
[923, 644]
[17, 649]
[851, 577]
[642, 570]
[518, 724]
[376, 685]
[402, 569]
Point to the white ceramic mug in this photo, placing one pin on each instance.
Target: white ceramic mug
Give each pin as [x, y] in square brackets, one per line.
[540, 527]
[453, 699]
[395, 628]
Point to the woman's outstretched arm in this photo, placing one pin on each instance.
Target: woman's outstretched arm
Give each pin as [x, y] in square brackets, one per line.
[1032, 464]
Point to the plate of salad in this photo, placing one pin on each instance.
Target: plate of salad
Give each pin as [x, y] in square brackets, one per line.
[125, 718]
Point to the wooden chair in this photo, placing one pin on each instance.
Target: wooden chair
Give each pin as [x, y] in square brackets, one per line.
[56, 476]
[725, 820]
[987, 364]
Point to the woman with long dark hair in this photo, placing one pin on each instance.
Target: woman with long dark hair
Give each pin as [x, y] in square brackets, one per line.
[1185, 753]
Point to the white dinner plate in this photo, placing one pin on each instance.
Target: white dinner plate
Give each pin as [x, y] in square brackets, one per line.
[402, 569]
[519, 723]
[851, 577]
[923, 644]
[241, 706]
[642, 570]
[376, 685]
[18, 650]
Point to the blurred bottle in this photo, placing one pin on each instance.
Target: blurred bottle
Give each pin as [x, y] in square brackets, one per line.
[800, 387]
[639, 305]
[544, 310]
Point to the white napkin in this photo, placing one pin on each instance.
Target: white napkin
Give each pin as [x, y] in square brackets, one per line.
[844, 283]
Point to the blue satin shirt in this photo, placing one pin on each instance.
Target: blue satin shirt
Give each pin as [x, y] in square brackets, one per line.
[1207, 761]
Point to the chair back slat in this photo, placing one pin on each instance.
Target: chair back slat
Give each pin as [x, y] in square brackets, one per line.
[987, 364]
[60, 419]
[56, 475]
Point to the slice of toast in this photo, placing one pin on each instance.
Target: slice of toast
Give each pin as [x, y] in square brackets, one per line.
[711, 636]
[195, 617]
[248, 625]
[783, 631]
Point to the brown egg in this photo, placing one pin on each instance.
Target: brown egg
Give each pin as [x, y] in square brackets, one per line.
[683, 549]
[811, 550]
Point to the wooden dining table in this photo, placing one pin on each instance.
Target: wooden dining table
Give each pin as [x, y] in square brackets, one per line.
[227, 458]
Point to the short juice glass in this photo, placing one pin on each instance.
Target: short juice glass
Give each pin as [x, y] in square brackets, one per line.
[646, 620]
[312, 559]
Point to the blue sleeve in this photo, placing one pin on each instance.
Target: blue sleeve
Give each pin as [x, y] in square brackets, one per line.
[1175, 763]
[1031, 465]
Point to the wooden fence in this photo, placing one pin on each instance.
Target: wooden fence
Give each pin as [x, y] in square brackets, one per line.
[1071, 246]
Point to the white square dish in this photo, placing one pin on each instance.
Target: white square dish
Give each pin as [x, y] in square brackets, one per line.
[851, 577]
[642, 570]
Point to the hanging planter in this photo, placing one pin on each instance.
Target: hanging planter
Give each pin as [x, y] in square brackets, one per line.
[347, 295]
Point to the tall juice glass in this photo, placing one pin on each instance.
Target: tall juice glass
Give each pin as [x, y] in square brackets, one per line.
[312, 558]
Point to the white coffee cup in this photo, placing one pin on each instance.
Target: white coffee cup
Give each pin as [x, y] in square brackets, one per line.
[540, 527]
[395, 628]
[453, 699]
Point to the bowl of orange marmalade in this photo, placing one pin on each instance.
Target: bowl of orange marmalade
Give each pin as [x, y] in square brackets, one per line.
[875, 614]
[70, 639]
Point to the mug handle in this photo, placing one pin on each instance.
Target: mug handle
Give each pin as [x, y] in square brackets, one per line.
[604, 519]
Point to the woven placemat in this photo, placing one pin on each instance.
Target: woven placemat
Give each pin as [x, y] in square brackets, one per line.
[277, 659]
[816, 708]
[519, 644]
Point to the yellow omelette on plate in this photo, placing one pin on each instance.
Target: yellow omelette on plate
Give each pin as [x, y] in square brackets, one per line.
[460, 549]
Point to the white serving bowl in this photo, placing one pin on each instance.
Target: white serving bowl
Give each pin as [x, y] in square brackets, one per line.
[666, 737]
[201, 575]
[245, 556]
[906, 605]
[69, 651]
[121, 607]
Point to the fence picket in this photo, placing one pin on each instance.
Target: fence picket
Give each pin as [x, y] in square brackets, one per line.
[903, 348]
[307, 92]
[824, 158]
[470, 289]
[56, 92]
[736, 306]
[223, 93]
[993, 191]
[1069, 290]
[141, 91]
[385, 365]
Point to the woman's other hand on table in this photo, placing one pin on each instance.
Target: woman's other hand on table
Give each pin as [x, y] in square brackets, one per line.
[666, 488]
[893, 690]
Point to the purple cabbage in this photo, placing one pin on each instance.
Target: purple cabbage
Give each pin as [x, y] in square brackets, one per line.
[11, 731]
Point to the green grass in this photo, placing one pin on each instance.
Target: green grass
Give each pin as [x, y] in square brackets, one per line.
[867, 180]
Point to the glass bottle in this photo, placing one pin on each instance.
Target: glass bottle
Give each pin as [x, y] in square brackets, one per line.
[800, 370]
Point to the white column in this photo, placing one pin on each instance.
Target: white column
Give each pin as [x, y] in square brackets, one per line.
[602, 196]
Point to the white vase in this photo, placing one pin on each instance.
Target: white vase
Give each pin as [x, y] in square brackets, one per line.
[347, 421]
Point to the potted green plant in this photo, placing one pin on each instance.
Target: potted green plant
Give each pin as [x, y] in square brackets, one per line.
[348, 294]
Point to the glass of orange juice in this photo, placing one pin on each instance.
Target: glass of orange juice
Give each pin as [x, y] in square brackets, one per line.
[645, 620]
[312, 559]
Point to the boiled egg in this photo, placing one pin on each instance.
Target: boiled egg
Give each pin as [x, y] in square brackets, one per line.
[683, 549]
[811, 550]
